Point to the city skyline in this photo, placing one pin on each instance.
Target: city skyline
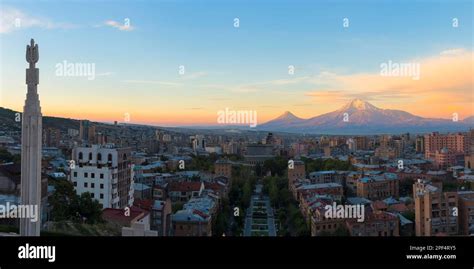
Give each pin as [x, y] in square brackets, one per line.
[244, 68]
[240, 124]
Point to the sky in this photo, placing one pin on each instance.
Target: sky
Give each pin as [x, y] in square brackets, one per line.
[138, 49]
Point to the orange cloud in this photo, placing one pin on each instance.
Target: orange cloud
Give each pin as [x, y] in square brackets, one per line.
[445, 86]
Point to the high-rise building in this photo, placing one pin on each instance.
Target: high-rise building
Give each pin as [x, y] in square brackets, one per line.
[161, 217]
[435, 210]
[231, 148]
[51, 137]
[420, 144]
[72, 132]
[469, 160]
[106, 173]
[199, 143]
[444, 158]
[84, 126]
[297, 171]
[351, 144]
[91, 134]
[361, 142]
[31, 128]
[456, 143]
[466, 212]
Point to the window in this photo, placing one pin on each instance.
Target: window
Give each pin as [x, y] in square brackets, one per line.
[80, 155]
[90, 156]
[101, 175]
[86, 174]
[101, 196]
[109, 157]
[75, 174]
[92, 175]
[101, 186]
[99, 157]
[75, 183]
[124, 156]
[85, 184]
[92, 185]
[92, 195]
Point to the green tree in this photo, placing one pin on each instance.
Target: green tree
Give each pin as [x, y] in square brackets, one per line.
[246, 194]
[176, 206]
[89, 209]
[67, 205]
[409, 215]
[277, 166]
[61, 200]
[5, 156]
[16, 159]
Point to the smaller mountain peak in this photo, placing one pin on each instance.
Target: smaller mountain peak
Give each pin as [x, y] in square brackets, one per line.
[287, 115]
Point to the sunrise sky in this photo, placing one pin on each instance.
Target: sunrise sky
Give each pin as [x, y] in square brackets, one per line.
[244, 68]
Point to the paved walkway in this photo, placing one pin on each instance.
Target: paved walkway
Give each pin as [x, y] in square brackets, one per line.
[259, 219]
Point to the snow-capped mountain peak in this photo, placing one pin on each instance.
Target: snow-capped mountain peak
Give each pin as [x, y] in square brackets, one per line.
[359, 116]
[358, 104]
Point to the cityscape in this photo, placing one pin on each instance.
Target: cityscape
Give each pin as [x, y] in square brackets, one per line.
[371, 154]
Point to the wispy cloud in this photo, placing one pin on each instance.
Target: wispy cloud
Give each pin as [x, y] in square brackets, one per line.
[307, 104]
[194, 75]
[13, 19]
[122, 27]
[446, 80]
[105, 74]
[450, 72]
[165, 83]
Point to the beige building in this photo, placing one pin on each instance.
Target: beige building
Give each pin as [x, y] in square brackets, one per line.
[378, 187]
[297, 172]
[469, 160]
[435, 210]
[223, 168]
[466, 212]
[456, 143]
[377, 223]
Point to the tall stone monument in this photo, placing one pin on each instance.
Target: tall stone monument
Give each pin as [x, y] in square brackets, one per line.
[31, 129]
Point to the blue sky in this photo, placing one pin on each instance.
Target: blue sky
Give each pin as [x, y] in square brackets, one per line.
[225, 66]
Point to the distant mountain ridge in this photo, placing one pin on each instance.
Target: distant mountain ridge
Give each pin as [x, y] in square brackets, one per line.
[7, 119]
[361, 117]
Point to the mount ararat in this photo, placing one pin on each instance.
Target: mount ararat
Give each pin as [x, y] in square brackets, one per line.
[361, 117]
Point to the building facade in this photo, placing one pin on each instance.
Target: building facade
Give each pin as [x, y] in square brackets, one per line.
[106, 173]
[434, 210]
